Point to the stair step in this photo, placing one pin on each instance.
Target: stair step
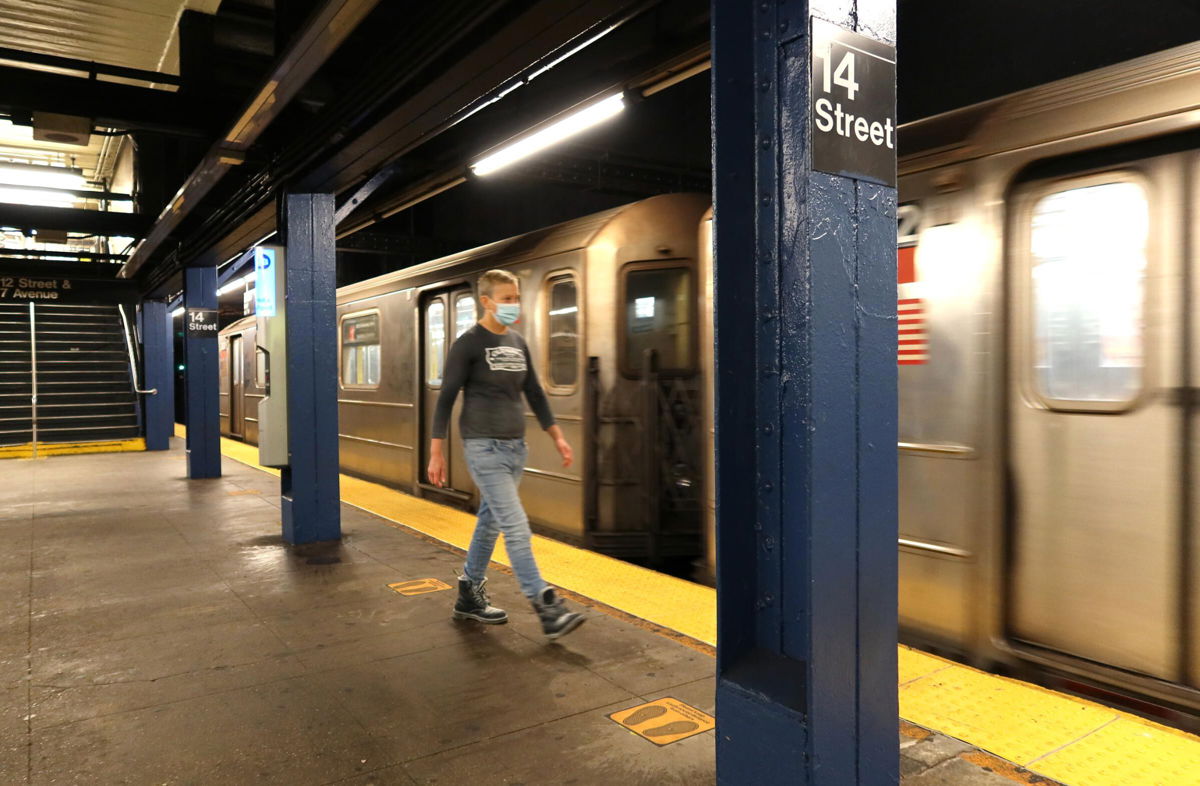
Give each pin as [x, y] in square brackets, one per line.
[82, 433]
[96, 398]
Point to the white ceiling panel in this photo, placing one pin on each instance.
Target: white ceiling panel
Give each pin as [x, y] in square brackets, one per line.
[132, 33]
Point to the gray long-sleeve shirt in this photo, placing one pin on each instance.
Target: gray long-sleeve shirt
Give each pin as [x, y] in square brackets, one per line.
[494, 369]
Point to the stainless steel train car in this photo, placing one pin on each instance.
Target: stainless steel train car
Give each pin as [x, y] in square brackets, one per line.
[610, 301]
[1049, 260]
[1049, 352]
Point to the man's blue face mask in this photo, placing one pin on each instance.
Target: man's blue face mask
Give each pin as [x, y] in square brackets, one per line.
[508, 313]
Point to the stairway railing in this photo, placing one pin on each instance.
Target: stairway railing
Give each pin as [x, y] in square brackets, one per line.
[133, 366]
[33, 378]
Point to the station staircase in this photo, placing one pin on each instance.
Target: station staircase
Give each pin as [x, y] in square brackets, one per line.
[65, 375]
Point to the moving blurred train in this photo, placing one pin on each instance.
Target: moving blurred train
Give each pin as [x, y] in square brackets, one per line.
[1049, 258]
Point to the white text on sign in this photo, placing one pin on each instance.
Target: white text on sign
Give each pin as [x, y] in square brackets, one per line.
[831, 116]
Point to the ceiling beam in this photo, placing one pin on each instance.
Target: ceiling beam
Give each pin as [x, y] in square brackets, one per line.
[327, 29]
[32, 267]
[79, 253]
[70, 219]
[88, 68]
[476, 78]
[107, 103]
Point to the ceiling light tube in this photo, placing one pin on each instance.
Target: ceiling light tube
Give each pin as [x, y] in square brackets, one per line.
[236, 284]
[569, 126]
[177, 312]
[37, 176]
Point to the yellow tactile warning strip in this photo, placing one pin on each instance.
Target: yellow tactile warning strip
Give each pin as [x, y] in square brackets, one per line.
[419, 586]
[71, 448]
[664, 721]
[1070, 740]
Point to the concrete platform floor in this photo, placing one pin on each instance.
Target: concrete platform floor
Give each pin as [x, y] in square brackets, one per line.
[157, 630]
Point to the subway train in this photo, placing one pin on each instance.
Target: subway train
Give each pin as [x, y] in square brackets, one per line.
[610, 301]
[1048, 259]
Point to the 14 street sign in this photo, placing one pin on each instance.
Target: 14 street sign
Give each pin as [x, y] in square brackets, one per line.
[853, 94]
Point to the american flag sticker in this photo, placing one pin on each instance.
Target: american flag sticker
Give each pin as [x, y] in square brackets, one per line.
[912, 343]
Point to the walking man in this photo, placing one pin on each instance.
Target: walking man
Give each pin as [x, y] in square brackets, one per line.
[491, 363]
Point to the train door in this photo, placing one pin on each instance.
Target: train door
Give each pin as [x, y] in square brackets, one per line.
[237, 387]
[1097, 333]
[445, 315]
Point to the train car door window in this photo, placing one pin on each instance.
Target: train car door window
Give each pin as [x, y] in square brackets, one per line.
[464, 314]
[658, 305]
[435, 342]
[260, 368]
[1088, 269]
[563, 320]
[361, 364]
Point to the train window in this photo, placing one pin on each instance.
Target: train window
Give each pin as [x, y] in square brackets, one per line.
[1088, 266]
[658, 316]
[435, 342]
[360, 351]
[563, 321]
[260, 368]
[464, 314]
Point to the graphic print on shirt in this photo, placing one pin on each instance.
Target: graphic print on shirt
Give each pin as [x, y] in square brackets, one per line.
[506, 359]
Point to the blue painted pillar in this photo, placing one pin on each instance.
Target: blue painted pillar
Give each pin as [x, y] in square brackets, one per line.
[158, 359]
[201, 378]
[806, 417]
[310, 484]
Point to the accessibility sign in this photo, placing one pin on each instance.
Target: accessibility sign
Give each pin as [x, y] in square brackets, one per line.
[853, 95]
[264, 281]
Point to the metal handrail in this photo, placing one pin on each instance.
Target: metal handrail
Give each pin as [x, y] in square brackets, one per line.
[133, 371]
[33, 369]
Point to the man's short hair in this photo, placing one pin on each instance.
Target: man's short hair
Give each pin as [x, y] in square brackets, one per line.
[489, 280]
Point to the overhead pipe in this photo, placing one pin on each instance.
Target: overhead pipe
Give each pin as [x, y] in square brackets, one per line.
[333, 23]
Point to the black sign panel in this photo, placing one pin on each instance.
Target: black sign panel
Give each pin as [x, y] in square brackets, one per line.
[24, 288]
[361, 330]
[201, 322]
[853, 94]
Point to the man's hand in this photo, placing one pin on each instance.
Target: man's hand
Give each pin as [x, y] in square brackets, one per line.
[437, 464]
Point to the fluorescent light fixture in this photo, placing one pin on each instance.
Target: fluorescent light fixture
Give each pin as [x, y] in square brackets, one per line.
[177, 312]
[570, 125]
[233, 286]
[40, 184]
[559, 312]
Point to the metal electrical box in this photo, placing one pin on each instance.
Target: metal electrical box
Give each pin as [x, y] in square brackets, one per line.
[270, 307]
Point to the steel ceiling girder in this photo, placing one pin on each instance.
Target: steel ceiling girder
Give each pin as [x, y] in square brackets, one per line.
[328, 28]
[69, 219]
[107, 103]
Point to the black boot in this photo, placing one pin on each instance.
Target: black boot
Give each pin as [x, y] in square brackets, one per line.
[472, 604]
[556, 620]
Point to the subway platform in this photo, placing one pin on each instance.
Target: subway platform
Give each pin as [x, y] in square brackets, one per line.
[157, 630]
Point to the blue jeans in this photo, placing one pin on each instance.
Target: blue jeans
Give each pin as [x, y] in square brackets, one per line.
[496, 466]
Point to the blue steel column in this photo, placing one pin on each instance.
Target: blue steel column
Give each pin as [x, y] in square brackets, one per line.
[310, 485]
[201, 379]
[806, 387]
[158, 357]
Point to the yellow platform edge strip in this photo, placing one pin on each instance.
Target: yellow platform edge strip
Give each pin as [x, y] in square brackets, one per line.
[44, 449]
[1071, 740]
